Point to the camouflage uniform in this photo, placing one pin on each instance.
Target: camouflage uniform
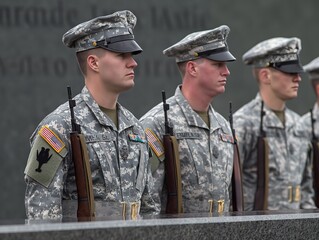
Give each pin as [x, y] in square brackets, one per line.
[308, 126]
[119, 162]
[288, 159]
[312, 70]
[206, 154]
[118, 156]
[289, 167]
[304, 123]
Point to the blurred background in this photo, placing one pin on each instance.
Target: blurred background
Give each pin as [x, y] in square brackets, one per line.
[35, 67]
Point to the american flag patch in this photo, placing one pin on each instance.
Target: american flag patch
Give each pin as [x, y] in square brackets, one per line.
[154, 142]
[53, 140]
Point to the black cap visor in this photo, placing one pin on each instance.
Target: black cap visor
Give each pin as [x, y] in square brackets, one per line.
[288, 67]
[219, 55]
[123, 44]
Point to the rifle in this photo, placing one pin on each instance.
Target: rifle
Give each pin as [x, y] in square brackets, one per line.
[172, 166]
[261, 195]
[315, 159]
[237, 185]
[83, 177]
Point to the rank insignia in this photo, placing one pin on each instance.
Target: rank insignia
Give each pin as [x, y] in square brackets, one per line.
[124, 152]
[215, 151]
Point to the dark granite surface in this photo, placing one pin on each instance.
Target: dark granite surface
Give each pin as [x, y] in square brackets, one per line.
[250, 225]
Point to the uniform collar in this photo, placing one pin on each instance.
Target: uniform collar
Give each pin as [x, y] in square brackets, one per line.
[192, 118]
[123, 115]
[271, 119]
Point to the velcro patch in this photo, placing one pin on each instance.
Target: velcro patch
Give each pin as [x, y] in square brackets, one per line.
[226, 138]
[136, 138]
[43, 161]
[154, 143]
[51, 138]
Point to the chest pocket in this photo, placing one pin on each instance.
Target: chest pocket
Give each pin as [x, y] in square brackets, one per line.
[139, 157]
[194, 156]
[280, 150]
[103, 159]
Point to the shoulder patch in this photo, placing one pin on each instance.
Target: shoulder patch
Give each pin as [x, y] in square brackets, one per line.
[44, 161]
[52, 139]
[154, 142]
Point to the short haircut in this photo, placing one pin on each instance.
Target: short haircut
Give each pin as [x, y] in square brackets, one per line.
[182, 65]
[82, 58]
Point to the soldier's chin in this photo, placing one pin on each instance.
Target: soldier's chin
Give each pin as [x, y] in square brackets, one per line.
[128, 86]
[293, 96]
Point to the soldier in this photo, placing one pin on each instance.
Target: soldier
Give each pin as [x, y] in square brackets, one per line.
[312, 69]
[277, 69]
[204, 136]
[115, 140]
[308, 125]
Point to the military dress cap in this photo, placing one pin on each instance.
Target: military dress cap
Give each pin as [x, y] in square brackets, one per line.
[312, 68]
[279, 53]
[113, 32]
[209, 44]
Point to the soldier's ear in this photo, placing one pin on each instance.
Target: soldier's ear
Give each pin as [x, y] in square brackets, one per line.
[191, 68]
[93, 62]
[264, 76]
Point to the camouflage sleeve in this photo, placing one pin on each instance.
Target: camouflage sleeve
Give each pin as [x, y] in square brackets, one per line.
[307, 191]
[150, 202]
[245, 138]
[156, 161]
[42, 202]
[45, 173]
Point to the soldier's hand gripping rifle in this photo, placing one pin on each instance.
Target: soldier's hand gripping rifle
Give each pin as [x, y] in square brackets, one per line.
[261, 195]
[237, 185]
[172, 166]
[83, 177]
[315, 160]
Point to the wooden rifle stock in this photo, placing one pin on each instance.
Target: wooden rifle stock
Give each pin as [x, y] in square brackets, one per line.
[86, 209]
[237, 184]
[315, 161]
[237, 187]
[261, 195]
[172, 167]
[83, 176]
[172, 175]
[315, 150]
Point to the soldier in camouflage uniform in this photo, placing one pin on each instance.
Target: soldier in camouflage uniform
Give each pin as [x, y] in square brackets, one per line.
[277, 69]
[115, 139]
[312, 69]
[204, 136]
[308, 126]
